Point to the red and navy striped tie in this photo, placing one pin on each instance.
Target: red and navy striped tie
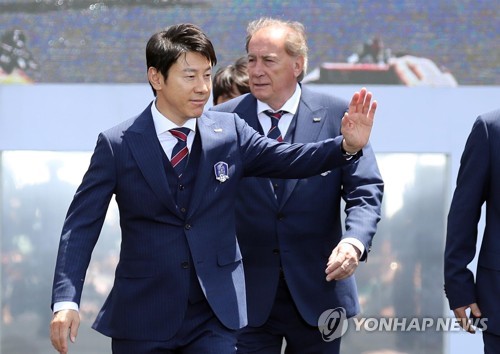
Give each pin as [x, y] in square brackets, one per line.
[180, 152]
[274, 132]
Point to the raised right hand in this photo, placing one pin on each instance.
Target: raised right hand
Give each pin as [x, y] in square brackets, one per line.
[358, 121]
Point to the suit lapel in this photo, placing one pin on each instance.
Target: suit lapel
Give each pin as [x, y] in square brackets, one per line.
[145, 148]
[247, 109]
[310, 121]
[209, 137]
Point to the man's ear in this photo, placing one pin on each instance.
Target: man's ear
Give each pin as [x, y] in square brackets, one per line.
[298, 66]
[155, 78]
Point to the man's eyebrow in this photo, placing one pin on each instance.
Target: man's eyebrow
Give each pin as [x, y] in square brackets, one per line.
[193, 70]
[263, 56]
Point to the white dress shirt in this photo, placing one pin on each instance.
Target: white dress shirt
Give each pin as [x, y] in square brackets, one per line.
[290, 107]
[162, 127]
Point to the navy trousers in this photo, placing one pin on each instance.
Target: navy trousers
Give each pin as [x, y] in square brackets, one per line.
[286, 323]
[491, 343]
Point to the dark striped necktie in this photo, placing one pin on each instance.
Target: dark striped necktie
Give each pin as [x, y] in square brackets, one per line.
[180, 152]
[274, 132]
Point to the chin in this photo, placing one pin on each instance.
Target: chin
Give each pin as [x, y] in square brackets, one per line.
[260, 94]
[197, 113]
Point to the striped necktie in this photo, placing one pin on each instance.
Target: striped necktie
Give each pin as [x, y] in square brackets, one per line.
[180, 152]
[274, 132]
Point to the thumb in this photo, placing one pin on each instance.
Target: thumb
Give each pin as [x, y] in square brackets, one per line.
[74, 330]
[474, 309]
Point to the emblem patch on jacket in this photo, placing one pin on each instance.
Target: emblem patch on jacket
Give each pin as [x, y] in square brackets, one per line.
[221, 171]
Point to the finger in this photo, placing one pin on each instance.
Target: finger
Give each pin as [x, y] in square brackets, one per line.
[73, 332]
[339, 266]
[367, 103]
[373, 109]
[342, 272]
[58, 338]
[346, 122]
[63, 339]
[354, 102]
[464, 323]
[460, 312]
[336, 258]
[335, 274]
[332, 267]
[468, 326]
[54, 339]
[334, 263]
[361, 100]
[474, 309]
[462, 319]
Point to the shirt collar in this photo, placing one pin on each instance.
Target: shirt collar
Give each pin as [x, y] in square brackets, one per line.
[163, 124]
[290, 106]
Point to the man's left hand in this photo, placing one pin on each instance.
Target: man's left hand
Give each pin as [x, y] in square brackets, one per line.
[342, 262]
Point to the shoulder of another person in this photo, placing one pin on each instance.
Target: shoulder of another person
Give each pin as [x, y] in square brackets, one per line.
[219, 121]
[232, 104]
[490, 118]
[217, 114]
[324, 99]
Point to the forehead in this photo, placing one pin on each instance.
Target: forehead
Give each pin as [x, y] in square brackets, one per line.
[192, 61]
[268, 40]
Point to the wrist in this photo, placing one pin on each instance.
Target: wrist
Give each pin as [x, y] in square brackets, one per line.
[347, 150]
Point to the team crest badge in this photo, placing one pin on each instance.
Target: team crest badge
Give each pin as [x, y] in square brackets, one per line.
[221, 171]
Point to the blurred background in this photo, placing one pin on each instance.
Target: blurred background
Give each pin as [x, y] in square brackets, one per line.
[72, 68]
[85, 41]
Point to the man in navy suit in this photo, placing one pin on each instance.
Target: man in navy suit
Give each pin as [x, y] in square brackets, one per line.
[477, 184]
[290, 231]
[174, 171]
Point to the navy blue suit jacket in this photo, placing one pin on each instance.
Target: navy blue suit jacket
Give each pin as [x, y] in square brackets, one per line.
[305, 225]
[478, 182]
[150, 292]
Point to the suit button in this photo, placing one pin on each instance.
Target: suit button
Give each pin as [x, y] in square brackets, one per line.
[276, 251]
[185, 265]
[280, 216]
[181, 187]
[187, 227]
[183, 210]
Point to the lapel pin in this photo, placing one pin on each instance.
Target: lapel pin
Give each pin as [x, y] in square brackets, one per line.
[218, 130]
[221, 171]
[316, 119]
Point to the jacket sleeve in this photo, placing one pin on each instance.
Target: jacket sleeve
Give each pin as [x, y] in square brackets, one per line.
[464, 214]
[362, 190]
[264, 157]
[83, 224]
